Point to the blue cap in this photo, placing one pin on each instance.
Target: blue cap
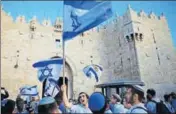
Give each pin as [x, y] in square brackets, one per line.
[96, 101]
[46, 100]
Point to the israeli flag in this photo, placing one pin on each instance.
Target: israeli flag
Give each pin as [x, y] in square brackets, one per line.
[80, 16]
[29, 90]
[51, 87]
[93, 71]
[49, 68]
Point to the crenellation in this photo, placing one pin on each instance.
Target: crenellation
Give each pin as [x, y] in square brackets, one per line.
[142, 14]
[162, 17]
[152, 15]
[46, 22]
[20, 19]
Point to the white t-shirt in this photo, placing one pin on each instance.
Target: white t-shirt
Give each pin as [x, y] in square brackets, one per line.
[79, 109]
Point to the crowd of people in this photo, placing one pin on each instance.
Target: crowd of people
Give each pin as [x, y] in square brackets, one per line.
[133, 102]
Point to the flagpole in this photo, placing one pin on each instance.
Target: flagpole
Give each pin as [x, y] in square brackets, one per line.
[63, 62]
[63, 48]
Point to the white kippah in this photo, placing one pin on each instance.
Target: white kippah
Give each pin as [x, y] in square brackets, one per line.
[139, 88]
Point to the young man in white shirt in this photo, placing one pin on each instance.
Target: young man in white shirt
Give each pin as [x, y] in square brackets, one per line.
[136, 94]
[81, 107]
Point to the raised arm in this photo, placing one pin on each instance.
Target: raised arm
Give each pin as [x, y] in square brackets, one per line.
[65, 99]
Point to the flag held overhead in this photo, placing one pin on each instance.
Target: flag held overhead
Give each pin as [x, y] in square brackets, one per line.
[80, 16]
[49, 68]
[93, 71]
[29, 91]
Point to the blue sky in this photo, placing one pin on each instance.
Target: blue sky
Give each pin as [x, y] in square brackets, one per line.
[52, 9]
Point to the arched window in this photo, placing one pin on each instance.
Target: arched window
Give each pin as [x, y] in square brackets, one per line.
[128, 39]
[141, 36]
[136, 36]
[132, 37]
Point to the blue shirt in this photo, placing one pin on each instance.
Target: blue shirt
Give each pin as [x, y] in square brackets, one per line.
[108, 111]
[135, 110]
[62, 108]
[151, 107]
[117, 108]
[174, 103]
[169, 107]
[79, 109]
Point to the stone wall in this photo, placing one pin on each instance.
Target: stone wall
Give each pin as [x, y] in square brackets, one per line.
[121, 58]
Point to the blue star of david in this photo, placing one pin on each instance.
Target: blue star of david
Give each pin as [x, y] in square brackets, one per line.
[75, 23]
[44, 70]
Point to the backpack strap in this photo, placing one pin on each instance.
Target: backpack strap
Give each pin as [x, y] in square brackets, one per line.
[139, 108]
[154, 101]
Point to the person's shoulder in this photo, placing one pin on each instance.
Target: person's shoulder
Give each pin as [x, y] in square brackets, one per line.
[139, 110]
[119, 105]
[150, 103]
[155, 99]
[108, 111]
[75, 106]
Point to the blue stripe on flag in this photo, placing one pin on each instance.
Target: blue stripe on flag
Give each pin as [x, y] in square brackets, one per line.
[29, 91]
[77, 20]
[47, 62]
[93, 71]
[82, 4]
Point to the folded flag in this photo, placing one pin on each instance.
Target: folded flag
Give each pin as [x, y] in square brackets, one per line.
[29, 90]
[93, 71]
[49, 68]
[51, 87]
[80, 16]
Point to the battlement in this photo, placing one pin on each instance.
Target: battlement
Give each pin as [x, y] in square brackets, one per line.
[151, 15]
[130, 13]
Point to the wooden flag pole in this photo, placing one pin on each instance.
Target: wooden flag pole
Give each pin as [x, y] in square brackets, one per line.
[63, 62]
[63, 48]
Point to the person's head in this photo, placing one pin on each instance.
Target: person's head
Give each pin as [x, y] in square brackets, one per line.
[135, 94]
[20, 104]
[9, 107]
[47, 105]
[126, 104]
[115, 98]
[150, 94]
[173, 95]
[97, 103]
[167, 97]
[83, 98]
